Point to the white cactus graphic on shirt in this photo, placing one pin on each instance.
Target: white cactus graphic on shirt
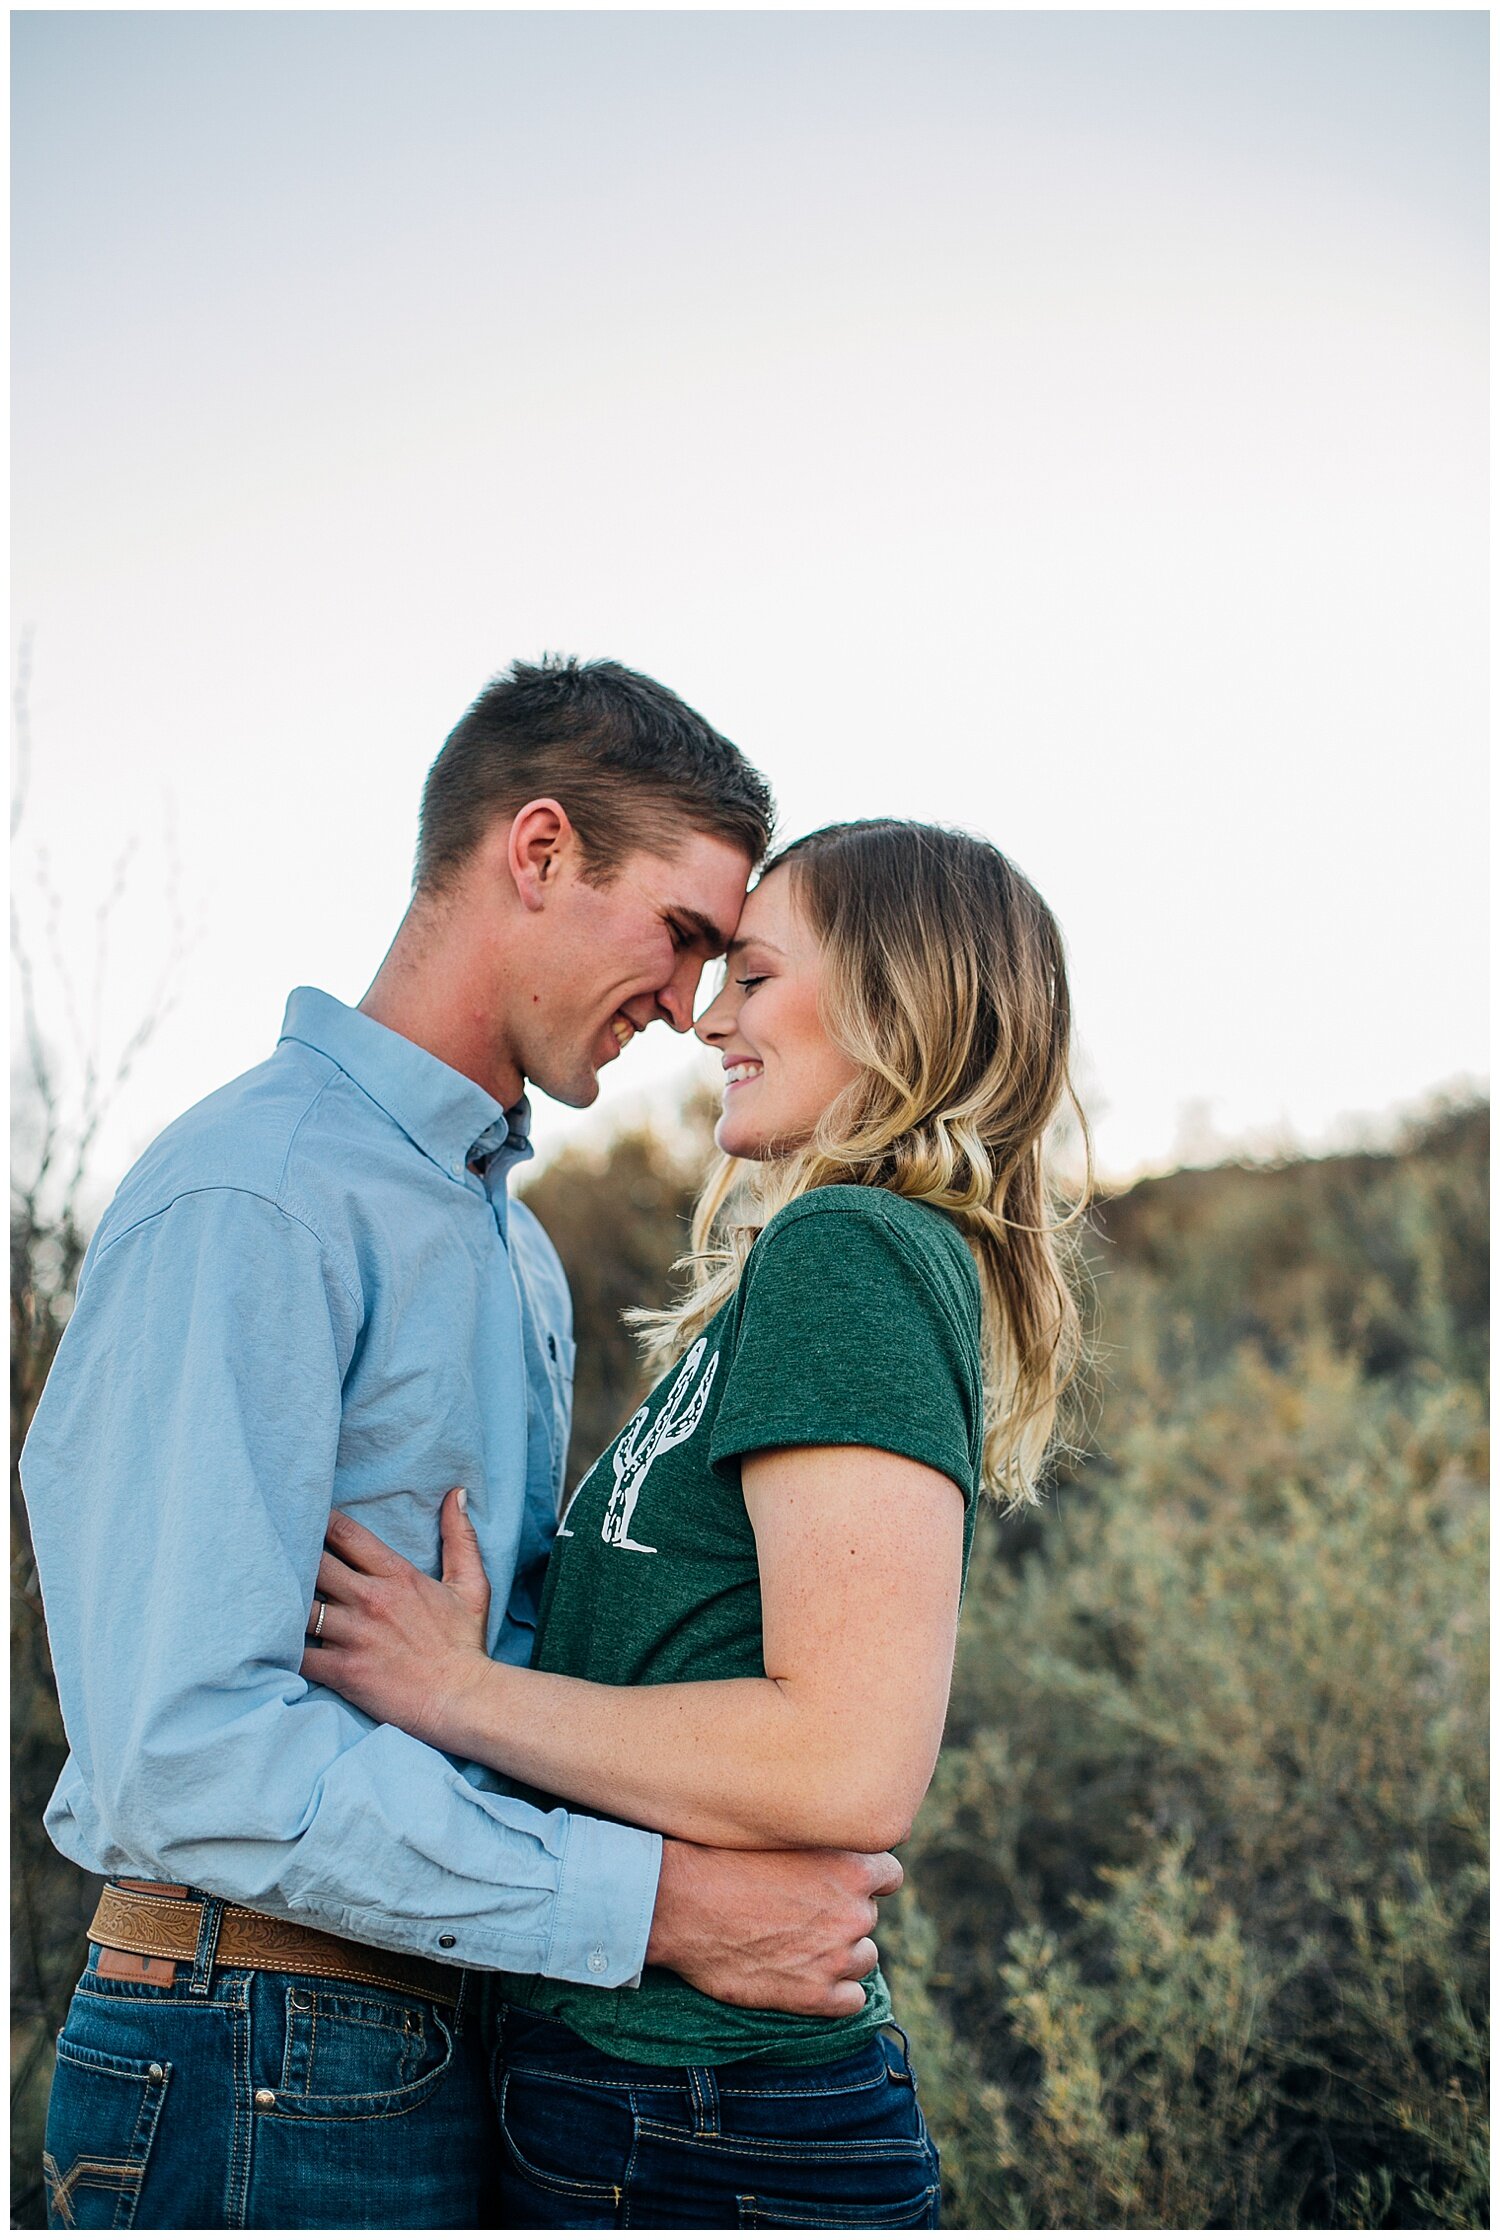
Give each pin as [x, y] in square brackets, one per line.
[633, 1456]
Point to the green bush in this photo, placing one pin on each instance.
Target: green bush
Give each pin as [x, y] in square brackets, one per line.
[1194, 1927]
[1194, 1932]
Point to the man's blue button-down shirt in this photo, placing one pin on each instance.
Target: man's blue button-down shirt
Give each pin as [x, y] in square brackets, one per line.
[303, 1297]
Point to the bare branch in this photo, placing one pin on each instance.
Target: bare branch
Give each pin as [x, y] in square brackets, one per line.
[98, 1082]
[36, 1054]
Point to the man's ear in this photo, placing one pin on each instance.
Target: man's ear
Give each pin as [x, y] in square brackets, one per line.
[540, 845]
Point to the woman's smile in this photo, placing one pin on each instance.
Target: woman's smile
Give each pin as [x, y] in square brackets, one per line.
[767, 1025]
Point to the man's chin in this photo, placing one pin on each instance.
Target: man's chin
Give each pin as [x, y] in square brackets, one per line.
[578, 1091]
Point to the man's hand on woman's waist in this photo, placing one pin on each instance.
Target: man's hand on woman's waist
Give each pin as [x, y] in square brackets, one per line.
[790, 1930]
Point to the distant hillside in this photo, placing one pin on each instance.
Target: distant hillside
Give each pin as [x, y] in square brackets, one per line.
[1385, 1255]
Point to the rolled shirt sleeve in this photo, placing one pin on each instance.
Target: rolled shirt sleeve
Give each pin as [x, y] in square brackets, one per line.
[179, 1475]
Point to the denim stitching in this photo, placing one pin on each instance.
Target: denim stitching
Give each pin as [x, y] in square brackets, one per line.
[350, 1975]
[237, 2173]
[358, 1975]
[801, 2221]
[112, 2177]
[875, 2080]
[124, 2175]
[705, 2098]
[278, 2114]
[348, 2103]
[153, 2100]
[788, 2150]
[101, 2064]
[622, 2192]
[288, 2041]
[574, 2076]
[164, 2004]
[552, 2183]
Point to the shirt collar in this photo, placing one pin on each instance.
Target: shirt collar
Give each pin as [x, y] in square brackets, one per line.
[446, 1115]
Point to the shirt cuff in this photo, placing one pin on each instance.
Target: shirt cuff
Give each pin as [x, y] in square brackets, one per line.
[606, 1894]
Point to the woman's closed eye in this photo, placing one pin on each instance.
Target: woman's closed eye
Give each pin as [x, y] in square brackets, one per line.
[752, 980]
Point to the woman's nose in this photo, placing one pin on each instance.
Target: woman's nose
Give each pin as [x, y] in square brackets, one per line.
[715, 1021]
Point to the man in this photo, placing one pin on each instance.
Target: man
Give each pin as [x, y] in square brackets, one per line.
[314, 1288]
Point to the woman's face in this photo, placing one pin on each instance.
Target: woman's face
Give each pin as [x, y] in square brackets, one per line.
[781, 1071]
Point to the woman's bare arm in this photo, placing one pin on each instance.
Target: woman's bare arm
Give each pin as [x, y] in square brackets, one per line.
[860, 1556]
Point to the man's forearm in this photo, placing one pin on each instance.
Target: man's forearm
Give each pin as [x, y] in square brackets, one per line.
[509, 1886]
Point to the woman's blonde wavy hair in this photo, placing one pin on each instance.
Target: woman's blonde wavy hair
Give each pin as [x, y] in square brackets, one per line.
[944, 979]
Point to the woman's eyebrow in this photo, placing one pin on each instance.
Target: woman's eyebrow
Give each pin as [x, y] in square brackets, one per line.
[753, 941]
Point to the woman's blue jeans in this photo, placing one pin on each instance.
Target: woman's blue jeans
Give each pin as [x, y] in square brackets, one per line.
[589, 2141]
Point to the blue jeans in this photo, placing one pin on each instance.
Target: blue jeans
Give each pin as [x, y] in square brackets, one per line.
[589, 2141]
[239, 2097]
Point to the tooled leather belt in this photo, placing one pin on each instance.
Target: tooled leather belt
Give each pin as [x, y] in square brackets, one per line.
[159, 1922]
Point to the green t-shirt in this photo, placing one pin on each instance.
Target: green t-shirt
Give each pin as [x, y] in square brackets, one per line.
[855, 1323]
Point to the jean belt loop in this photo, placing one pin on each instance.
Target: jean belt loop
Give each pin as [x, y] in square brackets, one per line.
[891, 2030]
[458, 2003]
[209, 1925]
[703, 2084]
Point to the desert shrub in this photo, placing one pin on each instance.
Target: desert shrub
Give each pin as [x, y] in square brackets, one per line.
[1153, 2099]
[1194, 1933]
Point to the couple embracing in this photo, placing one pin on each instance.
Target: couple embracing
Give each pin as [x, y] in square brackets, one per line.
[466, 1867]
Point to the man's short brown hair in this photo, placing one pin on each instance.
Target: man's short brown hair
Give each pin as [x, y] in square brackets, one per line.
[629, 762]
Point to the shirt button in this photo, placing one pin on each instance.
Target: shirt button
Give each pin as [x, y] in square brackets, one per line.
[598, 1960]
[447, 1940]
[264, 2099]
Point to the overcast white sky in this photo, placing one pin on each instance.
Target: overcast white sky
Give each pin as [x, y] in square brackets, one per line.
[1071, 426]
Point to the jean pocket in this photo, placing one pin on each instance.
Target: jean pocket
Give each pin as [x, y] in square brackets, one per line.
[345, 2056]
[571, 2139]
[856, 2108]
[101, 2121]
[763, 2210]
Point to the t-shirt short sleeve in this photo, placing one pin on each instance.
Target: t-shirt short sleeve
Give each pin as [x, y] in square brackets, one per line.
[859, 1327]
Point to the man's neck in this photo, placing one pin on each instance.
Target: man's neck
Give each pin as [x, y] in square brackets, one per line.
[436, 994]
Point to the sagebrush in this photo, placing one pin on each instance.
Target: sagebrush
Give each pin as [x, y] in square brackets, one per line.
[1194, 1927]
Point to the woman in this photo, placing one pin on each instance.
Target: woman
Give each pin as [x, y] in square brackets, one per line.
[748, 1628]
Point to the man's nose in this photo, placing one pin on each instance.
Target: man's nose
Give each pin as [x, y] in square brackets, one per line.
[675, 1001]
